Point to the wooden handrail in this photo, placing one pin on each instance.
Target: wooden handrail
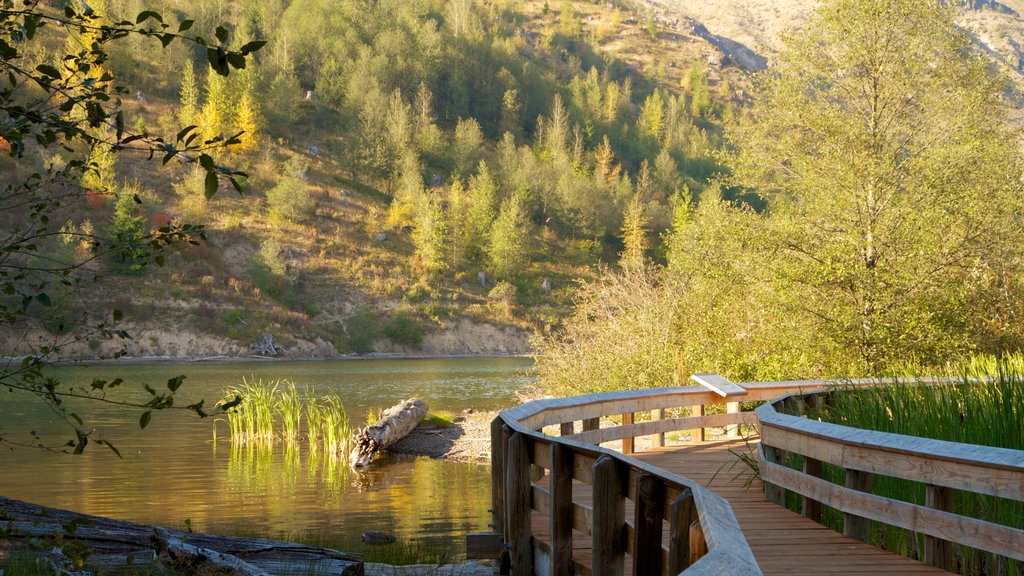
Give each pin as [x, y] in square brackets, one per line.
[940, 465]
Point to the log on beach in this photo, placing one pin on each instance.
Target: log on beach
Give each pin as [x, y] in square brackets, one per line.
[114, 544]
[395, 423]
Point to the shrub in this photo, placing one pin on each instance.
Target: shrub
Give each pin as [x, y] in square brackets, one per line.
[404, 329]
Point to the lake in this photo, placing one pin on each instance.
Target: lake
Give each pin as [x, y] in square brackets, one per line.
[177, 473]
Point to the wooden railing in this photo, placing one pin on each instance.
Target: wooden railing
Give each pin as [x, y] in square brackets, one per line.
[941, 466]
[533, 472]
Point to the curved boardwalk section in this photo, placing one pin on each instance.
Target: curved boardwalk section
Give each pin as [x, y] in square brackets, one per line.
[566, 503]
[783, 542]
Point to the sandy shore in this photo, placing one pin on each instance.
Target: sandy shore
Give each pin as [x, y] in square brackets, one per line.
[467, 440]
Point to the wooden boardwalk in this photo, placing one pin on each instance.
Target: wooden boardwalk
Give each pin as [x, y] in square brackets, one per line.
[782, 541]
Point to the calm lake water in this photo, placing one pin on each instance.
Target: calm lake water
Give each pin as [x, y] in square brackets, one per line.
[175, 472]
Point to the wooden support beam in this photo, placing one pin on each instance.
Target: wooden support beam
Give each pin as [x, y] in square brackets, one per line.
[609, 531]
[938, 552]
[857, 526]
[697, 434]
[561, 510]
[627, 443]
[591, 424]
[812, 508]
[682, 513]
[565, 428]
[649, 501]
[518, 492]
[658, 440]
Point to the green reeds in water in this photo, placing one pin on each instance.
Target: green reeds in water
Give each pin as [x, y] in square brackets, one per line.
[271, 412]
[983, 404]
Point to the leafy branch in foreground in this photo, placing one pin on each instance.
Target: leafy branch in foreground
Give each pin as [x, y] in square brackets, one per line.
[63, 125]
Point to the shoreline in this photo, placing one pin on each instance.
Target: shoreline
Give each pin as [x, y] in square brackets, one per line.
[136, 360]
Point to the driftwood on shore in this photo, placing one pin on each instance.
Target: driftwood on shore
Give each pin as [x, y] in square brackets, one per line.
[395, 423]
[114, 544]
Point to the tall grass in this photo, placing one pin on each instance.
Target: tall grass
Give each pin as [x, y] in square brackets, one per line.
[272, 412]
[983, 405]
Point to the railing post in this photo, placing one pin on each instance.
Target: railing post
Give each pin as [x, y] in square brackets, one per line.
[682, 512]
[697, 434]
[609, 530]
[565, 428]
[561, 509]
[812, 508]
[497, 476]
[627, 443]
[938, 552]
[591, 424]
[518, 492]
[649, 502]
[773, 493]
[698, 545]
[732, 430]
[658, 440]
[856, 526]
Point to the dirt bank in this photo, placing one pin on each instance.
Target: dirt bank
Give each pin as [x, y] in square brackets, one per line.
[461, 338]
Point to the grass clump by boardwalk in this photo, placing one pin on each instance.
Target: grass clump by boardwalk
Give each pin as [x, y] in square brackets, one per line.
[984, 405]
[270, 412]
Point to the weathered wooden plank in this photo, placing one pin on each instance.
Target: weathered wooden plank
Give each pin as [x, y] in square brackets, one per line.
[517, 500]
[609, 518]
[566, 428]
[682, 513]
[561, 510]
[627, 441]
[591, 424]
[971, 532]
[937, 551]
[719, 385]
[649, 505]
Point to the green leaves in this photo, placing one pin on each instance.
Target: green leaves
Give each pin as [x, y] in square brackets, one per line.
[145, 418]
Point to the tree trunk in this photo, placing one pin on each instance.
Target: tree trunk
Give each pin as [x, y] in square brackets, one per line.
[395, 423]
[113, 544]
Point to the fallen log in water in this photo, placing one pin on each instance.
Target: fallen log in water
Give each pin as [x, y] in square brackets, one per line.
[113, 544]
[395, 423]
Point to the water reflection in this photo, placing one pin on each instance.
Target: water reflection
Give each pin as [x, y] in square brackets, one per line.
[172, 471]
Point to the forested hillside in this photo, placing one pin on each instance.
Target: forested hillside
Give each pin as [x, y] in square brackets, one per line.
[410, 165]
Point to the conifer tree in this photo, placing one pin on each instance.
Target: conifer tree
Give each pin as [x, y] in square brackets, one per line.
[634, 236]
[189, 95]
[509, 248]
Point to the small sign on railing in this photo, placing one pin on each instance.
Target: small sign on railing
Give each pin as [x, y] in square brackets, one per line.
[719, 385]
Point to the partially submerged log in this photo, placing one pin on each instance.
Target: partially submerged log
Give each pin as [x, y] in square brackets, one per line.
[114, 543]
[395, 423]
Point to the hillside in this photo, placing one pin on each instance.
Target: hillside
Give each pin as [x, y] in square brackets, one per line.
[754, 27]
[426, 179]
